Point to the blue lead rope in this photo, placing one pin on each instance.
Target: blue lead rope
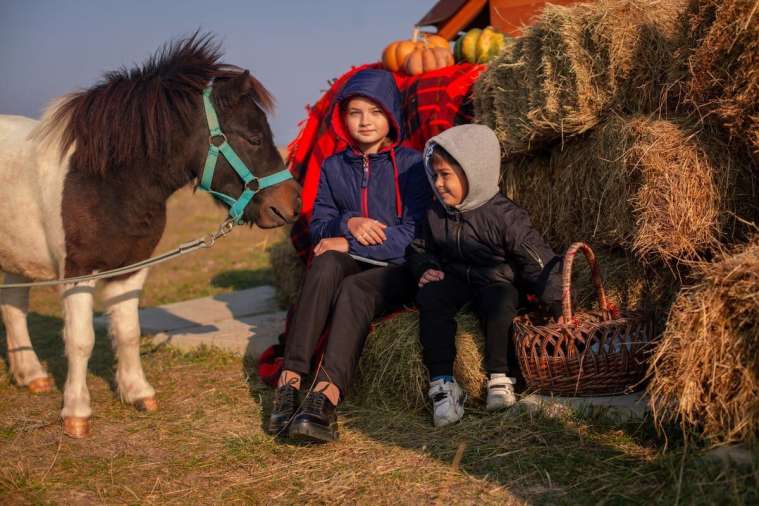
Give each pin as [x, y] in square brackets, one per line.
[236, 206]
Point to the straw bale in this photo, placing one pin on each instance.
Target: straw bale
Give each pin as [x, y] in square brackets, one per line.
[391, 371]
[705, 372]
[289, 271]
[661, 189]
[718, 64]
[573, 66]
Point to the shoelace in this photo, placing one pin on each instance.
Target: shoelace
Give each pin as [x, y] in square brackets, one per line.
[286, 394]
[441, 396]
[314, 402]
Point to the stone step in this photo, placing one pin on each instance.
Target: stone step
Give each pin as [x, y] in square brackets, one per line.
[204, 311]
[249, 335]
[620, 407]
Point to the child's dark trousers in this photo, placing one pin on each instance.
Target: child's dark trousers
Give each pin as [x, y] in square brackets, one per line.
[439, 302]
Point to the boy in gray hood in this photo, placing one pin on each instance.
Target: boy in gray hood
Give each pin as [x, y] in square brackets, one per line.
[476, 246]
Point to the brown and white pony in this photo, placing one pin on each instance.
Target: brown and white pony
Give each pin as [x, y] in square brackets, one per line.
[85, 189]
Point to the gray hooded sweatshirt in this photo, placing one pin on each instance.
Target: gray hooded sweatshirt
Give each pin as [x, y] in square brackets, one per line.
[476, 149]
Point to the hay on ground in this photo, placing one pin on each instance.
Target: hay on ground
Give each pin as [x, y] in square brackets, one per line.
[658, 188]
[573, 66]
[705, 373]
[289, 271]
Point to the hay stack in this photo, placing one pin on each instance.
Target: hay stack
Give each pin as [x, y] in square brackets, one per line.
[705, 373]
[719, 66]
[288, 270]
[658, 188]
[391, 370]
[573, 66]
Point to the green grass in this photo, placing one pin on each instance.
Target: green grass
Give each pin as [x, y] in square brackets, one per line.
[206, 444]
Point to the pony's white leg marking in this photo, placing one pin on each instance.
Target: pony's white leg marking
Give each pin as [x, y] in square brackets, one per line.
[79, 336]
[121, 299]
[24, 364]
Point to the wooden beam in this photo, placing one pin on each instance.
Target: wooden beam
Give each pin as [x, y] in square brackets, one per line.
[450, 29]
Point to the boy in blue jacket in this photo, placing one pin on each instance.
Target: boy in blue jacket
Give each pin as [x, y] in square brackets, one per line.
[369, 200]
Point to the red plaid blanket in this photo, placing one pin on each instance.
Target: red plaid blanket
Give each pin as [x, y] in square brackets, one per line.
[432, 102]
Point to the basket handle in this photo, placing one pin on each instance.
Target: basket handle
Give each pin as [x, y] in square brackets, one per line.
[566, 280]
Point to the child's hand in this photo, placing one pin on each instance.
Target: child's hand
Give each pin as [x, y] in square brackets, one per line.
[368, 232]
[331, 244]
[431, 275]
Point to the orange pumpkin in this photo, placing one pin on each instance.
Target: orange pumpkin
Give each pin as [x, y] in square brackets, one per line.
[395, 54]
[423, 60]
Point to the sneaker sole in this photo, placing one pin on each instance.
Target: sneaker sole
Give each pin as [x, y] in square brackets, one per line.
[307, 431]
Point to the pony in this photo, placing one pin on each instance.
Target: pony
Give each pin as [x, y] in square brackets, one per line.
[84, 190]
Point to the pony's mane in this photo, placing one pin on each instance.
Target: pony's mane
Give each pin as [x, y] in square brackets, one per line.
[130, 115]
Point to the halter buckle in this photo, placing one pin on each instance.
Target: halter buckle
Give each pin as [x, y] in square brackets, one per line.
[253, 185]
[211, 139]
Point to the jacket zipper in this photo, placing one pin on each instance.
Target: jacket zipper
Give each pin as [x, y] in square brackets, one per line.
[534, 255]
[458, 235]
[365, 187]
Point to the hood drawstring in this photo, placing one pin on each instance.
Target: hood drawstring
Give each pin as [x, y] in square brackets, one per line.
[398, 201]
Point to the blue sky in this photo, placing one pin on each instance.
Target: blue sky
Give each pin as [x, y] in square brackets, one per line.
[48, 48]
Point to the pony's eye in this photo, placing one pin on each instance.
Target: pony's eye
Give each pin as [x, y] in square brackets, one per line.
[255, 139]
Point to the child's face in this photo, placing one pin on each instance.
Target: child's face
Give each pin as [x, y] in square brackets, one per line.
[366, 123]
[450, 182]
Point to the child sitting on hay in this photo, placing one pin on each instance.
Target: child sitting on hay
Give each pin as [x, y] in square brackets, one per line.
[475, 245]
[369, 200]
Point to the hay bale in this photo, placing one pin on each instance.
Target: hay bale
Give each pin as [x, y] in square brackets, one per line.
[705, 373]
[391, 371]
[661, 189]
[289, 271]
[718, 66]
[573, 66]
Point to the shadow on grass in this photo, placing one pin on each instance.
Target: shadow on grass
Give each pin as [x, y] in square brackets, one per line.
[46, 333]
[243, 278]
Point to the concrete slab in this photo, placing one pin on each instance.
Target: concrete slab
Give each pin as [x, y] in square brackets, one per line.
[621, 407]
[204, 311]
[736, 454]
[249, 335]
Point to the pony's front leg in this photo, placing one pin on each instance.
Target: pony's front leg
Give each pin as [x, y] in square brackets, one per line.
[24, 364]
[79, 338]
[121, 299]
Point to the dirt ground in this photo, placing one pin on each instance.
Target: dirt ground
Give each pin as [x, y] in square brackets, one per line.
[206, 444]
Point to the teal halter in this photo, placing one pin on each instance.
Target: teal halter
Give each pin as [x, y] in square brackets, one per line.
[253, 184]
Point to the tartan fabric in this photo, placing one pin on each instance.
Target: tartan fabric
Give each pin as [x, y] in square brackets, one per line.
[432, 102]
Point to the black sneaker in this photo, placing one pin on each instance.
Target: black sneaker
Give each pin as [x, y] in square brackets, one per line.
[316, 420]
[283, 409]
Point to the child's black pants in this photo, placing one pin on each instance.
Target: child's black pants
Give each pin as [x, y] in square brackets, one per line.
[440, 301]
[352, 293]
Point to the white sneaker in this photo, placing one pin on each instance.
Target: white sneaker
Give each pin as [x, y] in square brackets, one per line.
[500, 392]
[447, 401]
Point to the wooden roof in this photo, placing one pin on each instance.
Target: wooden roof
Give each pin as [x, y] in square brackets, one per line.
[509, 16]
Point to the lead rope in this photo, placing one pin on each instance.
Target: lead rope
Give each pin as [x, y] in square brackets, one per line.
[205, 242]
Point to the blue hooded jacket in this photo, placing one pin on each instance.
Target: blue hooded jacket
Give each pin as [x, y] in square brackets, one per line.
[389, 186]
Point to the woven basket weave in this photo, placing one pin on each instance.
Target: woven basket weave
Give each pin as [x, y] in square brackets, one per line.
[601, 352]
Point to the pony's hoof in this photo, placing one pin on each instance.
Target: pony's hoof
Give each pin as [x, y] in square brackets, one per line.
[148, 404]
[41, 385]
[76, 427]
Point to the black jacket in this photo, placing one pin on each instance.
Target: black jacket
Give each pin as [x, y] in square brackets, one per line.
[492, 243]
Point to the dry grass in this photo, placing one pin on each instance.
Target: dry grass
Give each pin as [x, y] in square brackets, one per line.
[573, 66]
[661, 189]
[705, 373]
[288, 270]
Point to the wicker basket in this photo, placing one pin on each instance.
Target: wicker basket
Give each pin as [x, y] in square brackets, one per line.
[601, 352]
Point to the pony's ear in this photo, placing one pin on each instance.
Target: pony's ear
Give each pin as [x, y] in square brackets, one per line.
[232, 90]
